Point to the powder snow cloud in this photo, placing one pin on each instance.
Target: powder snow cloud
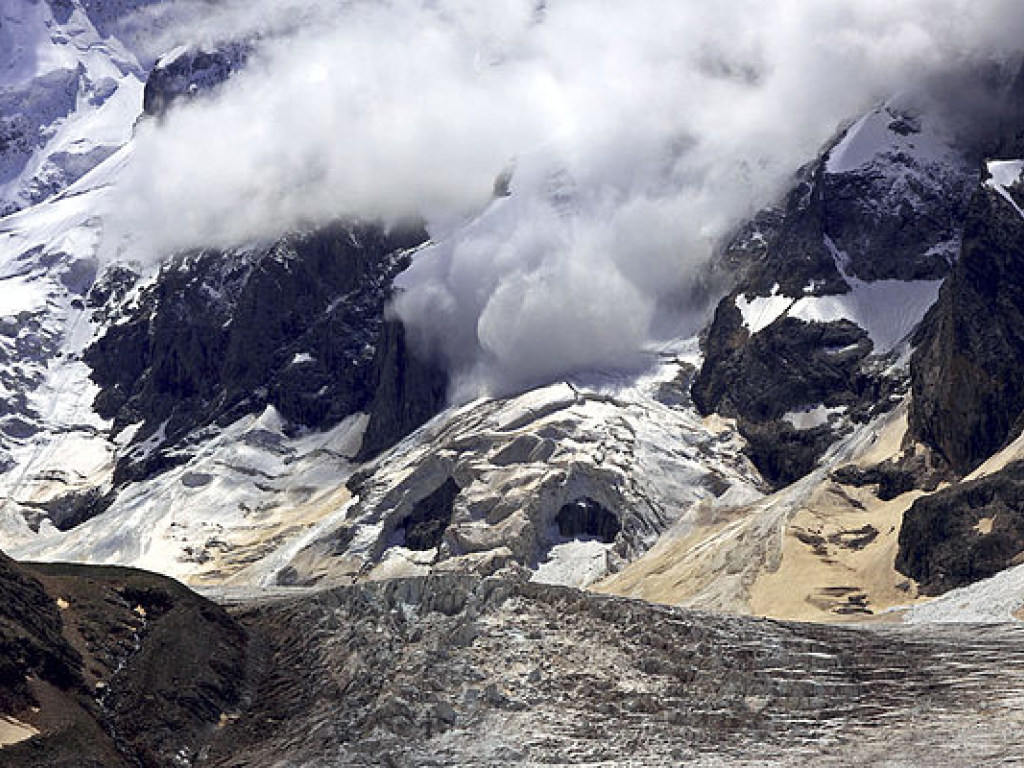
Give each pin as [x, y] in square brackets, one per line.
[637, 133]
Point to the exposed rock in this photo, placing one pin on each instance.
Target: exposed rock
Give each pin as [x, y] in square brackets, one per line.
[296, 325]
[794, 252]
[71, 509]
[885, 202]
[789, 364]
[32, 644]
[899, 216]
[187, 72]
[783, 454]
[965, 533]
[407, 391]
[968, 369]
[425, 527]
[911, 470]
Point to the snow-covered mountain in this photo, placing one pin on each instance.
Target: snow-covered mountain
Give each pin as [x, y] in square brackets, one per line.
[253, 416]
[69, 94]
[839, 441]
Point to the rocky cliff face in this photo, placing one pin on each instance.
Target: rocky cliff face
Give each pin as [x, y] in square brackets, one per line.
[218, 333]
[830, 283]
[298, 325]
[407, 391]
[968, 368]
[965, 533]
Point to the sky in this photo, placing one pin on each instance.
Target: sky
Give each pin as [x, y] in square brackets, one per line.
[636, 136]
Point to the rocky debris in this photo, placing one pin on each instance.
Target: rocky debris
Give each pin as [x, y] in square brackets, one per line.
[450, 670]
[188, 71]
[455, 670]
[298, 325]
[908, 471]
[968, 369]
[965, 533]
[112, 666]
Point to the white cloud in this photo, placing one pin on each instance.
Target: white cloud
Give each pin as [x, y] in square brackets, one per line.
[641, 132]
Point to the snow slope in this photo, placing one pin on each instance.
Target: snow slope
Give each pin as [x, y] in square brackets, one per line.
[69, 96]
[889, 310]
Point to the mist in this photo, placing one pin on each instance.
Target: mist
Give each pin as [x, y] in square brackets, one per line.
[635, 135]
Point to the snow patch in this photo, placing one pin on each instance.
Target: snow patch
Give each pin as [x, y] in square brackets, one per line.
[1005, 174]
[21, 294]
[887, 132]
[812, 418]
[761, 311]
[574, 564]
[889, 310]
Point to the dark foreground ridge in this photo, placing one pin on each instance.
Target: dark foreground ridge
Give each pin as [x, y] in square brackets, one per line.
[113, 666]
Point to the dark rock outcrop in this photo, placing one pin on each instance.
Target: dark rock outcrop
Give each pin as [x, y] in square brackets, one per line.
[895, 216]
[407, 391]
[298, 325]
[898, 218]
[32, 644]
[785, 246]
[783, 454]
[968, 370]
[892, 478]
[788, 365]
[965, 533]
[425, 526]
[189, 72]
